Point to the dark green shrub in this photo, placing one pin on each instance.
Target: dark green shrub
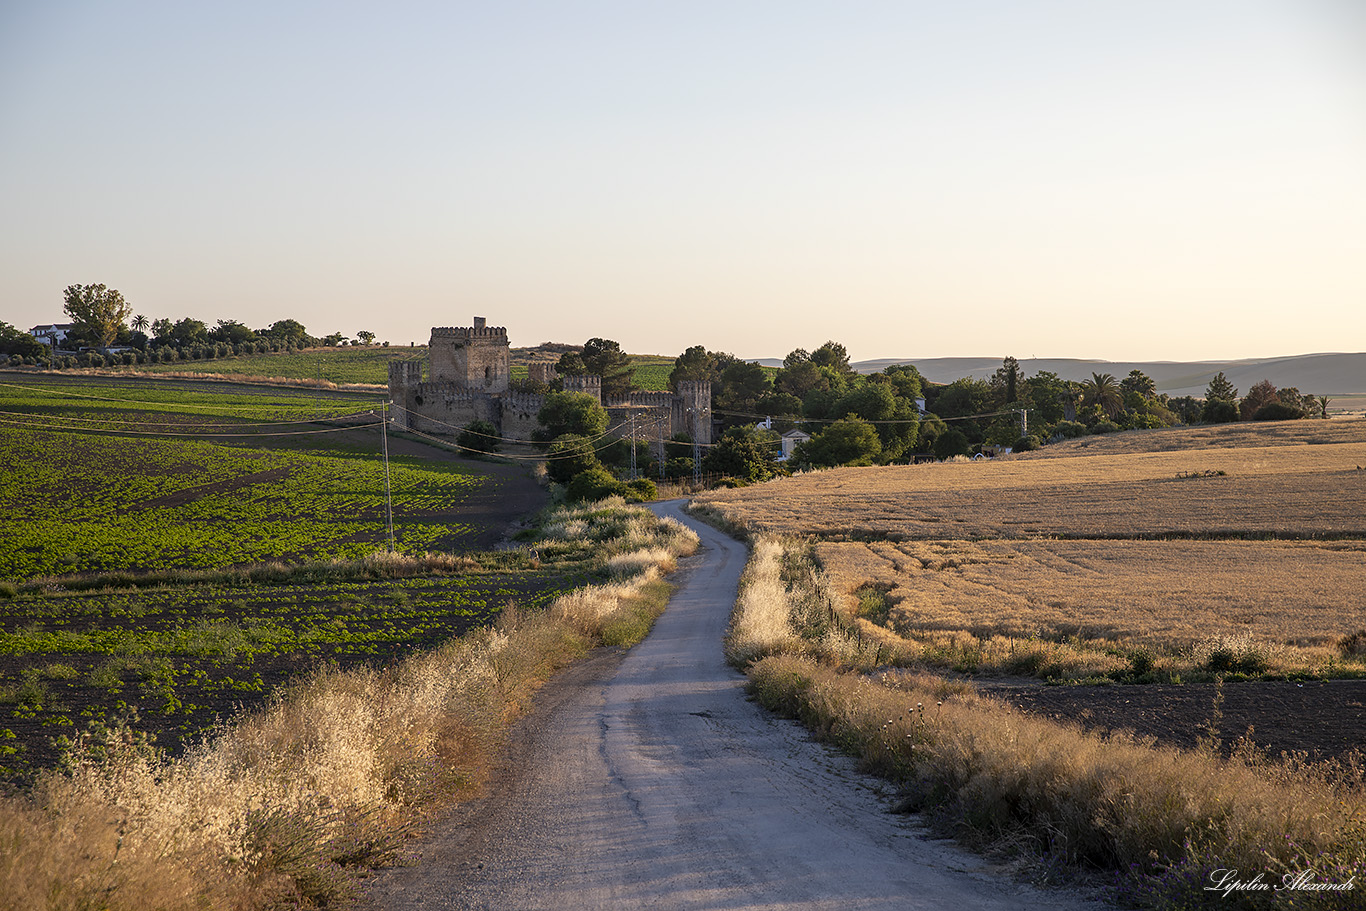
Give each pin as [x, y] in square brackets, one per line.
[1219, 411]
[1141, 662]
[594, 484]
[568, 456]
[1277, 411]
[641, 490]
[479, 436]
[952, 442]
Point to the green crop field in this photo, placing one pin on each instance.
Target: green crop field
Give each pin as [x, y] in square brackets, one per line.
[181, 657]
[334, 365]
[140, 513]
[360, 365]
[80, 497]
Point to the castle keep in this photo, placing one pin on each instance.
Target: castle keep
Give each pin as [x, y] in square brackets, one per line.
[469, 379]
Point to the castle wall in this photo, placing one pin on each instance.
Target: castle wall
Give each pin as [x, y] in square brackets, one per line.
[519, 414]
[467, 380]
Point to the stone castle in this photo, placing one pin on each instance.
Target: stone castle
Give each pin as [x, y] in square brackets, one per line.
[469, 379]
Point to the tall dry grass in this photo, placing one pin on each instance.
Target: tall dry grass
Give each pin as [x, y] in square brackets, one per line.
[288, 806]
[1159, 819]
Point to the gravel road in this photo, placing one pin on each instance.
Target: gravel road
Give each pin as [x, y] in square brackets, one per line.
[647, 780]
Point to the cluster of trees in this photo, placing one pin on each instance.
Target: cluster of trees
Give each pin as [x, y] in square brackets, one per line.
[894, 415]
[890, 416]
[1263, 402]
[102, 319]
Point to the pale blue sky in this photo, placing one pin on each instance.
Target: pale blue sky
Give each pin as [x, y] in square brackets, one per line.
[1135, 179]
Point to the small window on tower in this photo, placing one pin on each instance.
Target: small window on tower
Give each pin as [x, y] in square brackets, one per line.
[488, 374]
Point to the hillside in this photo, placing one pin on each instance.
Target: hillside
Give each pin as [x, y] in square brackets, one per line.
[1321, 374]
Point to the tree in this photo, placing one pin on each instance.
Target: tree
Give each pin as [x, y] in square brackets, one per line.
[569, 455]
[740, 388]
[365, 337]
[97, 312]
[801, 377]
[952, 442]
[832, 354]
[571, 413]
[1048, 396]
[1221, 389]
[1323, 406]
[161, 330]
[895, 418]
[1262, 393]
[1102, 391]
[743, 452]
[604, 357]
[232, 332]
[288, 332]
[16, 341]
[696, 363]
[1005, 382]
[189, 331]
[140, 323]
[848, 441]
[1140, 383]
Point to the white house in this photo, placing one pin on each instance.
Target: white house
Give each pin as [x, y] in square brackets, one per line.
[790, 441]
[51, 334]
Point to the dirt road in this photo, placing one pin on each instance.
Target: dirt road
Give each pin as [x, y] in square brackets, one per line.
[649, 781]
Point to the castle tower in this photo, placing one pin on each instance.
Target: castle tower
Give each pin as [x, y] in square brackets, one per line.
[541, 373]
[692, 410]
[476, 359]
[586, 383]
[404, 377]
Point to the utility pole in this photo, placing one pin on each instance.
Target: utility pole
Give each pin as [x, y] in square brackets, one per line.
[696, 448]
[633, 444]
[1024, 422]
[388, 494]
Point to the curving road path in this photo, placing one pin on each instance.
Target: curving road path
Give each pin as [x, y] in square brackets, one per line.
[647, 780]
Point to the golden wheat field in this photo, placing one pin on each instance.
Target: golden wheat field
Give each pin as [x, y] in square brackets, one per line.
[1202, 482]
[1247, 539]
[1141, 592]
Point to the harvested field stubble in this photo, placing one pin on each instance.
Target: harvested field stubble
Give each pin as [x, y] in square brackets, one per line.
[1178, 599]
[1288, 491]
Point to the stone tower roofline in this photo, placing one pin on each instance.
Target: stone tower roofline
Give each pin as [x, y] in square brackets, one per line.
[497, 333]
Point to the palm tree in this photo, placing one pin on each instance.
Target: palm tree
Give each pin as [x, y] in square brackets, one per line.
[1102, 390]
[139, 323]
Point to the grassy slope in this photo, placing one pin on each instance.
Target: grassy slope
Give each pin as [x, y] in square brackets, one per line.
[366, 365]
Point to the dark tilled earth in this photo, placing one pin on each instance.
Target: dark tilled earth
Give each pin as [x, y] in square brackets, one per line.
[1325, 719]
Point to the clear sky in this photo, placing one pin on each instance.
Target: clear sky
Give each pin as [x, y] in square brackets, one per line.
[1116, 179]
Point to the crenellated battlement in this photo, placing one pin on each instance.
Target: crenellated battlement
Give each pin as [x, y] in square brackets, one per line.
[404, 373]
[468, 333]
[525, 402]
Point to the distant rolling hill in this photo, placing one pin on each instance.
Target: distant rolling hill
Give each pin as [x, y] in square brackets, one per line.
[1320, 374]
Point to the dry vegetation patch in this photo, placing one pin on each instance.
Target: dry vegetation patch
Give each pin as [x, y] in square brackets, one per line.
[1180, 600]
